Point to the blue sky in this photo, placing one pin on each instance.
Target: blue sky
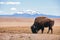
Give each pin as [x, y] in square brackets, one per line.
[49, 7]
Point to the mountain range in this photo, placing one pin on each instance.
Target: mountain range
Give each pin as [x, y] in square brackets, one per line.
[26, 15]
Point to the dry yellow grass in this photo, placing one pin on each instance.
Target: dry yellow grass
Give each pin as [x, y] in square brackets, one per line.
[19, 29]
[56, 30]
[7, 36]
[22, 25]
[15, 30]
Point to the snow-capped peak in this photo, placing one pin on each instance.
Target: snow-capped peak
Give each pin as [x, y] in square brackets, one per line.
[31, 12]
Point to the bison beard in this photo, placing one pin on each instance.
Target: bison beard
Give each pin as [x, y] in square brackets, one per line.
[40, 23]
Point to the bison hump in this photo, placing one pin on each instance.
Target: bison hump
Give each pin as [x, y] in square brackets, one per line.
[40, 19]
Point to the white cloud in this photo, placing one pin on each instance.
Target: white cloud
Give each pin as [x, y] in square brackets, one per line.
[1, 2]
[10, 3]
[1, 11]
[32, 12]
[13, 3]
[20, 12]
[29, 10]
[13, 8]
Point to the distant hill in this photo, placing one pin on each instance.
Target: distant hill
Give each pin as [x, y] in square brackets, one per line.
[26, 15]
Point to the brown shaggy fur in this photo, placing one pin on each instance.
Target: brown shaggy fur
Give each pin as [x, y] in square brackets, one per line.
[40, 23]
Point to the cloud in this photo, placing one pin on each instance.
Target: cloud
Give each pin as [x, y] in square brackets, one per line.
[1, 2]
[13, 9]
[6, 13]
[32, 12]
[20, 12]
[10, 3]
[13, 3]
[1, 11]
[29, 10]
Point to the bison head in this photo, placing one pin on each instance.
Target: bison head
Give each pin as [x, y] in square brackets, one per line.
[33, 29]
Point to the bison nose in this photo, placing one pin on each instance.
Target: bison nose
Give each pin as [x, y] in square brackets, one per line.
[33, 29]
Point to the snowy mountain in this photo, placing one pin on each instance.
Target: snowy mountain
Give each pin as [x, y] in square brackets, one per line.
[26, 15]
[29, 14]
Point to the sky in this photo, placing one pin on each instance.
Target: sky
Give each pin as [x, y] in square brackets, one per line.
[48, 7]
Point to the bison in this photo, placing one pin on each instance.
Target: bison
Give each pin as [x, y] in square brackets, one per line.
[41, 23]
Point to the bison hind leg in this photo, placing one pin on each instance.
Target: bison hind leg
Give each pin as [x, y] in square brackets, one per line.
[50, 28]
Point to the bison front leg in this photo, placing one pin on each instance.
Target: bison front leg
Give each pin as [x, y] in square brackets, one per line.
[42, 29]
[48, 30]
[51, 30]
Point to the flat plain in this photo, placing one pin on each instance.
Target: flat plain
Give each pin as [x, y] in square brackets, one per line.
[20, 29]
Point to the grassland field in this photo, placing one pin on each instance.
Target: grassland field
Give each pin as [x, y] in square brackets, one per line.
[20, 29]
